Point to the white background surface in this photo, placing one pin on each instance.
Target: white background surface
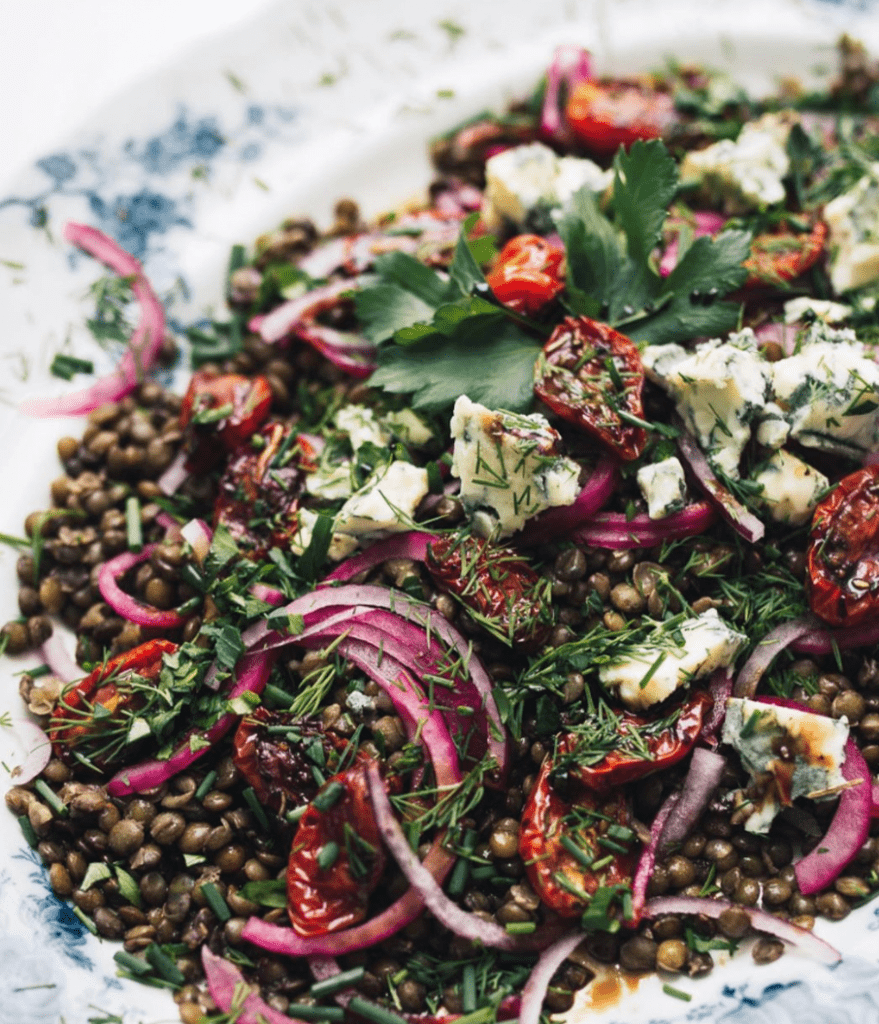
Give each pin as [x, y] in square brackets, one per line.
[60, 60]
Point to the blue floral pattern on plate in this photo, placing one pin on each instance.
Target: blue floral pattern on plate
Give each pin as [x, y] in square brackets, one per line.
[189, 163]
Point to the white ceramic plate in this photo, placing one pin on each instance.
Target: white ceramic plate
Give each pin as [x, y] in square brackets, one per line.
[310, 102]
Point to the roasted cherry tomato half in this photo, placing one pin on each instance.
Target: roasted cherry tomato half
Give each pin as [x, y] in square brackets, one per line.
[337, 856]
[495, 583]
[607, 115]
[226, 407]
[588, 374]
[526, 275]
[656, 748]
[87, 708]
[842, 578]
[784, 255]
[275, 753]
[258, 495]
[561, 838]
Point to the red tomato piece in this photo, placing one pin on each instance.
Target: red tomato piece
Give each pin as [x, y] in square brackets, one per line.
[257, 499]
[842, 578]
[588, 374]
[497, 584]
[664, 747]
[551, 826]
[87, 708]
[244, 403]
[336, 858]
[526, 275]
[607, 115]
[784, 255]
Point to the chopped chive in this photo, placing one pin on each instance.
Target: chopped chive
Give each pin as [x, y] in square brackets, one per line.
[329, 854]
[86, 920]
[253, 803]
[330, 986]
[206, 785]
[468, 988]
[604, 862]
[670, 990]
[191, 575]
[27, 830]
[132, 964]
[65, 366]
[484, 1015]
[482, 872]
[40, 670]
[214, 899]
[305, 1011]
[329, 796]
[133, 527]
[520, 927]
[163, 964]
[55, 803]
[293, 816]
[502, 881]
[461, 870]
[611, 844]
[275, 697]
[576, 851]
[620, 832]
[373, 1012]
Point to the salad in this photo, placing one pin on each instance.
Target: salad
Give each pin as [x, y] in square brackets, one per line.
[496, 607]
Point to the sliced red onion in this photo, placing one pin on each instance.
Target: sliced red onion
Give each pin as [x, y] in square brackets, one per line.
[38, 751]
[742, 520]
[613, 530]
[236, 997]
[561, 520]
[874, 801]
[779, 333]
[761, 921]
[647, 860]
[538, 981]
[143, 346]
[702, 222]
[252, 674]
[570, 65]
[198, 535]
[173, 477]
[56, 654]
[703, 777]
[822, 640]
[412, 544]
[766, 651]
[720, 686]
[124, 604]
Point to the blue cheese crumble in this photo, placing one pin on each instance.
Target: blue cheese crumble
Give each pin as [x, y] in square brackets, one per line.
[853, 220]
[386, 502]
[510, 467]
[790, 488]
[653, 671]
[787, 752]
[663, 486]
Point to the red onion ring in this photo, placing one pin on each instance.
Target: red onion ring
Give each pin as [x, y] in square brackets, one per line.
[234, 996]
[38, 751]
[570, 65]
[124, 604]
[561, 520]
[822, 640]
[411, 544]
[766, 651]
[720, 687]
[173, 477]
[142, 348]
[761, 921]
[538, 981]
[703, 777]
[613, 530]
[647, 860]
[57, 656]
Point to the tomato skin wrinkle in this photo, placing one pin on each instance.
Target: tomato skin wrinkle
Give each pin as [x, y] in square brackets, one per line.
[842, 563]
[527, 274]
[784, 255]
[563, 882]
[587, 372]
[326, 897]
[607, 115]
[248, 400]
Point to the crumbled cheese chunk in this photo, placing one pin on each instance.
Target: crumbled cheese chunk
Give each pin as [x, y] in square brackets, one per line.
[387, 501]
[829, 390]
[824, 309]
[330, 481]
[341, 544]
[663, 486]
[409, 427]
[660, 361]
[788, 753]
[654, 671]
[772, 427]
[790, 488]
[510, 467]
[853, 220]
[361, 425]
[525, 183]
[719, 389]
[746, 174]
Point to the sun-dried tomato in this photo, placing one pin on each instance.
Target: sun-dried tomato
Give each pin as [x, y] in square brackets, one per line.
[592, 376]
[526, 275]
[244, 403]
[499, 587]
[842, 578]
[607, 115]
[783, 255]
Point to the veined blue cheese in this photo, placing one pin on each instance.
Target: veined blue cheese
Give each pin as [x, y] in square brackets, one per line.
[387, 501]
[663, 486]
[746, 174]
[510, 467]
[787, 752]
[719, 389]
[790, 488]
[331, 481]
[829, 390]
[361, 425]
[824, 309]
[341, 544]
[655, 670]
[409, 427]
[853, 220]
[525, 183]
